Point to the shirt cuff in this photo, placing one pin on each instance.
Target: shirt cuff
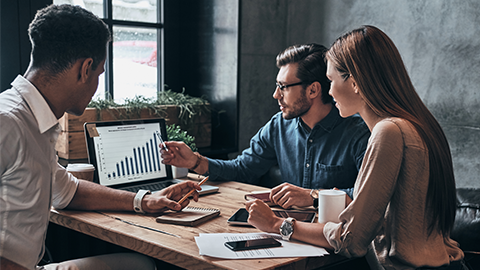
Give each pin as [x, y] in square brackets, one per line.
[332, 232]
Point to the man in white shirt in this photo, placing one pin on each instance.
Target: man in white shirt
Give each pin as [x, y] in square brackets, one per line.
[68, 55]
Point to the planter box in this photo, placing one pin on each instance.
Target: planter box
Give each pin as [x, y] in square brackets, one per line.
[71, 141]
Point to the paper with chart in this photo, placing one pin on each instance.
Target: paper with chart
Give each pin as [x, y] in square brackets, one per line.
[212, 244]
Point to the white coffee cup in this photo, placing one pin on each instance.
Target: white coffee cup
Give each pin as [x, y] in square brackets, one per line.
[81, 170]
[331, 203]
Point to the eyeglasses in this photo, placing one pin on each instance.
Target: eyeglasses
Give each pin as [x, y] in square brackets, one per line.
[283, 87]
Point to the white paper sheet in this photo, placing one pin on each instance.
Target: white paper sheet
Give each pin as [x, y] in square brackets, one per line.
[212, 244]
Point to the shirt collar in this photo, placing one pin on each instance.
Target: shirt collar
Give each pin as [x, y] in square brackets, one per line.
[40, 109]
[328, 123]
[301, 124]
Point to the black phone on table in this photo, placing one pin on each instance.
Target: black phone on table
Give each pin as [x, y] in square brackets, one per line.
[253, 244]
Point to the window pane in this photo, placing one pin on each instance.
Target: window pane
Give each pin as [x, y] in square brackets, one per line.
[135, 10]
[95, 6]
[134, 62]
[100, 94]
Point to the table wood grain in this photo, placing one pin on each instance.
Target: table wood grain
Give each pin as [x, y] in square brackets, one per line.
[183, 251]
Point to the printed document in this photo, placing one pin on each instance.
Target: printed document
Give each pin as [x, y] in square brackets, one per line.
[213, 244]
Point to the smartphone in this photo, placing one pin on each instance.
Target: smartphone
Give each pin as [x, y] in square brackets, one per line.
[253, 244]
[240, 217]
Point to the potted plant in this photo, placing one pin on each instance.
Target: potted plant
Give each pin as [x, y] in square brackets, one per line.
[175, 133]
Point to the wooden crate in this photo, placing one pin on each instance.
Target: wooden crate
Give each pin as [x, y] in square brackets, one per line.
[71, 141]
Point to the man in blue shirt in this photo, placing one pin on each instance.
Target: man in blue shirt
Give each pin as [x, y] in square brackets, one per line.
[313, 145]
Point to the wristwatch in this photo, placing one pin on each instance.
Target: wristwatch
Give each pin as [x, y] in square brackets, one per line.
[286, 229]
[314, 195]
[137, 201]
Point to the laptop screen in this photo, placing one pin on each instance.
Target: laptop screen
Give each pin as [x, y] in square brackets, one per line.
[126, 152]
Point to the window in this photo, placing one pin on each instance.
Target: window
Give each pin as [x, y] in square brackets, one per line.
[134, 63]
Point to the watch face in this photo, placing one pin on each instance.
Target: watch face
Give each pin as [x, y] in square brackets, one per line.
[286, 228]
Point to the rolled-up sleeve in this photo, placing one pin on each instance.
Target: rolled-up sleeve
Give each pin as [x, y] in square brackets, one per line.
[64, 188]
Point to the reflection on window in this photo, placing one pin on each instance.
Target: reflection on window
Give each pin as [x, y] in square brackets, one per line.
[95, 6]
[134, 62]
[135, 10]
[129, 10]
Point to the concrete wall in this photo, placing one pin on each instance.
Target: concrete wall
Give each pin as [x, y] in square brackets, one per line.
[439, 41]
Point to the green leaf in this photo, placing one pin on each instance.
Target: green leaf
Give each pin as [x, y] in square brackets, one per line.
[174, 133]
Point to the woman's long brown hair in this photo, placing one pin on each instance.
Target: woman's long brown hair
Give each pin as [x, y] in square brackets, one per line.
[371, 57]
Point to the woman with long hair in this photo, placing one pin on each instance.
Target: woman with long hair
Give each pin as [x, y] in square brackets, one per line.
[404, 200]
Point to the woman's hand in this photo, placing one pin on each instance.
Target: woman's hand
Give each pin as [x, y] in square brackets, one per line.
[262, 217]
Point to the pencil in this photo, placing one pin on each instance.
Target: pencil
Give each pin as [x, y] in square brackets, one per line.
[191, 191]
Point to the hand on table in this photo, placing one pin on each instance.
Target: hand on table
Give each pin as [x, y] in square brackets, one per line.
[287, 195]
[167, 198]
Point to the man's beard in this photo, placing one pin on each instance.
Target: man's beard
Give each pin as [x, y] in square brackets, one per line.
[300, 107]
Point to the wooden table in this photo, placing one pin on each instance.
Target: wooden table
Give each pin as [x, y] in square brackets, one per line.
[182, 252]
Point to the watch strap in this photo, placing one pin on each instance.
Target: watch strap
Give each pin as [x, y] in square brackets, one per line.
[137, 201]
[199, 159]
[314, 195]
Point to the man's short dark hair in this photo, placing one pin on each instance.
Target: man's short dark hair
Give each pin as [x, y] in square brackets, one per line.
[62, 34]
[311, 65]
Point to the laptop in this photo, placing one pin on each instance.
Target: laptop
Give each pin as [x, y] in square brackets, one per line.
[126, 155]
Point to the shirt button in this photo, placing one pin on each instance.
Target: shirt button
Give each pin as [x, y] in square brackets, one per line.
[308, 165]
[310, 140]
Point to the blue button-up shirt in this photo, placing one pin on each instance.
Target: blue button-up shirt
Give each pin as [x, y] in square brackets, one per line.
[327, 156]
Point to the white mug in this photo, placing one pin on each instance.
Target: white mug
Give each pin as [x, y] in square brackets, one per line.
[331, 203]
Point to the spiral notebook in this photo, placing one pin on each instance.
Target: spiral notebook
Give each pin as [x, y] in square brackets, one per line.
[189, 216]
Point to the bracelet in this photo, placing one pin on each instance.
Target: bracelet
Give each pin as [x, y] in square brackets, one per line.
[137, 201]
[199, 159]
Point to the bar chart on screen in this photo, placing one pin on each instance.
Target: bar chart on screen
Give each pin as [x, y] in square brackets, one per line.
[129, 152]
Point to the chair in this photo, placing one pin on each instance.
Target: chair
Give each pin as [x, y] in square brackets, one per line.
[466, 229]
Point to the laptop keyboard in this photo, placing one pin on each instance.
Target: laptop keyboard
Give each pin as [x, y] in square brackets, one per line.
[152, 187]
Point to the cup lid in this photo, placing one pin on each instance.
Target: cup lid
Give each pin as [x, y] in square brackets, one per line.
[80, 167]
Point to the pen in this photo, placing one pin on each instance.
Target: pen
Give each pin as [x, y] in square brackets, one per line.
[191, 191]
[161, 140]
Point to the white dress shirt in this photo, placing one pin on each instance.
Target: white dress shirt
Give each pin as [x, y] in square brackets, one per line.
[31, 180]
